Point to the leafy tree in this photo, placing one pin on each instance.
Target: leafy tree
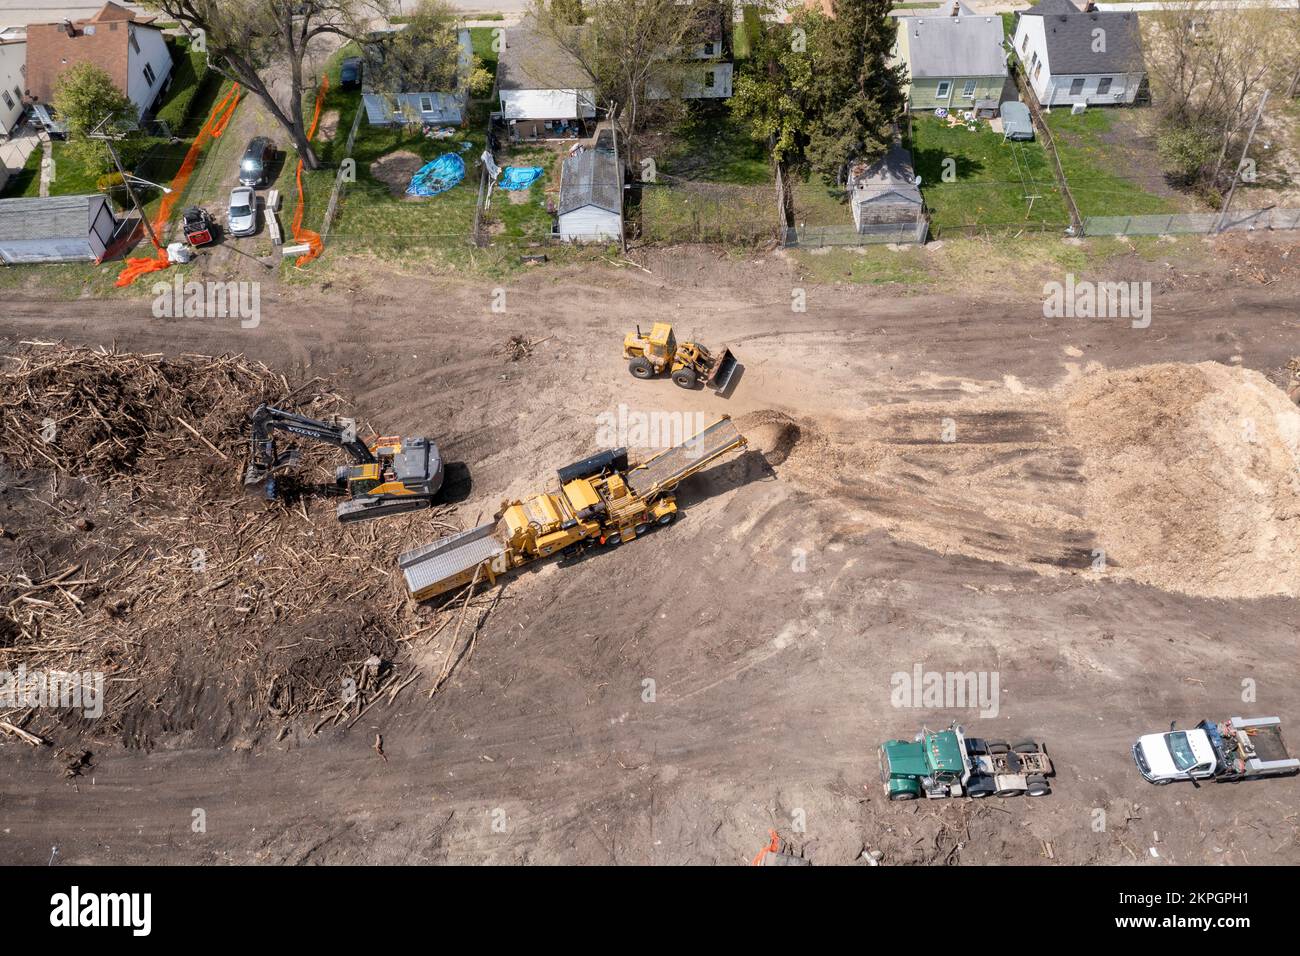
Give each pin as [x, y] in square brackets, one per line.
[85, 96]
[424, 55]
[568, 11]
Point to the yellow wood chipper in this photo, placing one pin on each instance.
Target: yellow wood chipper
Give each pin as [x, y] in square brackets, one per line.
[689, 363]
[601, 501]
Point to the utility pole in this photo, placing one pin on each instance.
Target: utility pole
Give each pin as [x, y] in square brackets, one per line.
[126, 180]
[1227, 203]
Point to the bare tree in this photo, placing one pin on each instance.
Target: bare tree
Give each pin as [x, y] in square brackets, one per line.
[250, 41]
[633, 51]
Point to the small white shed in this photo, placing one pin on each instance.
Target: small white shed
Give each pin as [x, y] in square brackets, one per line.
[591, 197]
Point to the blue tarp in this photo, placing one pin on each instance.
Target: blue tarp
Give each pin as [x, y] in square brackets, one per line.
[519, 177]
[438, 176]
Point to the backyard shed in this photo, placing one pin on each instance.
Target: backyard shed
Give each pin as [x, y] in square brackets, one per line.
[885, 198]
[55, 229]
[591, 197]
[1016, 122]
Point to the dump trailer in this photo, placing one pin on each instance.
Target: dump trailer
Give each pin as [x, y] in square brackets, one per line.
[600, 501]
[1235, 749]
[950, 764]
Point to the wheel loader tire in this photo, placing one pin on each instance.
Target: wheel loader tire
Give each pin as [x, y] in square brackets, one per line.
[902, 795]
[640, 367]
[998, 747]
[1025, 747]
[685, 378]
[668, 518]
[641, 529]
[1036, 786]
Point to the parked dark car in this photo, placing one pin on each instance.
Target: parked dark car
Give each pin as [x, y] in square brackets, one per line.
[256, 164]
[350, 73]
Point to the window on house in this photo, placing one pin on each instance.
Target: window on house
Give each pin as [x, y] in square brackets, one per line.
[9, 100]
[426, 104]
[1033, 60]
[1024, 44]
[135, 44]
[709, 80]
[708, 49]
[149, 74]
[968, 90]
[1103, 86]
[945, 88]
[1076, 86]
[1038, 70]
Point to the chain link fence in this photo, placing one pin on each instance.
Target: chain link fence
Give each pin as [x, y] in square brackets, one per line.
[1192, 223]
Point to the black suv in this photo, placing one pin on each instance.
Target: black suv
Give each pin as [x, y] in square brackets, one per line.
[256, 164]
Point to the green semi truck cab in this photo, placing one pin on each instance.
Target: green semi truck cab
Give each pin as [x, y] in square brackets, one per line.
[947, 763]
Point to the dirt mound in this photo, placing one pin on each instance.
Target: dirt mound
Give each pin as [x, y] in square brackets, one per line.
[395, 170]
[773, 433]
[1193, 477]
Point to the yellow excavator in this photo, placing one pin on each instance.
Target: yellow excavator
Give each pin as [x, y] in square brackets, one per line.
[689, 363]
[601, 502]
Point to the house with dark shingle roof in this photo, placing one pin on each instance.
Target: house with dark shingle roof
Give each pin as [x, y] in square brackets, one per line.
[953, 59]
[1076, 56]
[128, 47]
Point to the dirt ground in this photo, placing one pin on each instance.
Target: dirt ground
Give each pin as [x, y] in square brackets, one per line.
[672, 700]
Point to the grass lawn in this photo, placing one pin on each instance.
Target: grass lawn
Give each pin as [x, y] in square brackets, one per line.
[524, 220]
[992, 179]
[1094, 157]
[713, 183]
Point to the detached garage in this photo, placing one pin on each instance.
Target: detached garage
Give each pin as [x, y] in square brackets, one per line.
[591, 197]
[56, 229]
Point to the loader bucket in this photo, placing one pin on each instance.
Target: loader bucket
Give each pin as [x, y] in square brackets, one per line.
[724, 369]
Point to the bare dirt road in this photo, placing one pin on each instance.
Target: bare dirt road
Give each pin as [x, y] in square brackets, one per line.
[672, 700]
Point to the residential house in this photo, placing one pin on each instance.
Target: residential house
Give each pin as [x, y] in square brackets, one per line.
[13, 67]
[128, 47]
[885, 197]
[445, 106]
[56, 229]
[544, 91]
[1072, 56]
[952, 60]
[591, 196]
[702, 70]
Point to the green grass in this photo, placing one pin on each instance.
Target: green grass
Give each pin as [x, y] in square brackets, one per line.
[1009, 25]
[711, 146]
[527, 220]
[992, 179]
[1093, 168]
[817, 204]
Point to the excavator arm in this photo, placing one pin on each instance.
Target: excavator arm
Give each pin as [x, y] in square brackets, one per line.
[264, 457]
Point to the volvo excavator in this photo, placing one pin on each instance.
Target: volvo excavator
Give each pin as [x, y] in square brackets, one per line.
[389, 476]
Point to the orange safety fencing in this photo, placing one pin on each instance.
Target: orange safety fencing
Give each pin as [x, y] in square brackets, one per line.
[215, 126]
[301, 235]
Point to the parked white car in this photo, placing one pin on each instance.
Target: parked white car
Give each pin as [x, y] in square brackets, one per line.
[241, 214]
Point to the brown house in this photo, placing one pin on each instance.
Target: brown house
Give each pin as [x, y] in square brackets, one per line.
[126, 46]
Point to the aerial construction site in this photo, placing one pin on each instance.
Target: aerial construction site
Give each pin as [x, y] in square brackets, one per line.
[663, 572]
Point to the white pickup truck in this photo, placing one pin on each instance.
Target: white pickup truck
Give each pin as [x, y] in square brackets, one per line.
[1234, 749]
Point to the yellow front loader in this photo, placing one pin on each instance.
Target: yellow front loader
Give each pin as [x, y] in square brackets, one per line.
[689, 363]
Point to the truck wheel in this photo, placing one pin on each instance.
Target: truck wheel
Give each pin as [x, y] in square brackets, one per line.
[1162, 783]
[640, 367]
[902, 795]
[668, 518]
[1036, 786]
[1009, 792]
[685, 378]
[997, 746]
[641, 529]
[614, 539]
[1025, 747]
[978, 794]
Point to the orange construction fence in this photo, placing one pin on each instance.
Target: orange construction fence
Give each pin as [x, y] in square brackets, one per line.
[300, 234]
[212, 129]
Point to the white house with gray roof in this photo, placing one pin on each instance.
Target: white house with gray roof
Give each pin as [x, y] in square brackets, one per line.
[1075, 56]
[953, 60]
